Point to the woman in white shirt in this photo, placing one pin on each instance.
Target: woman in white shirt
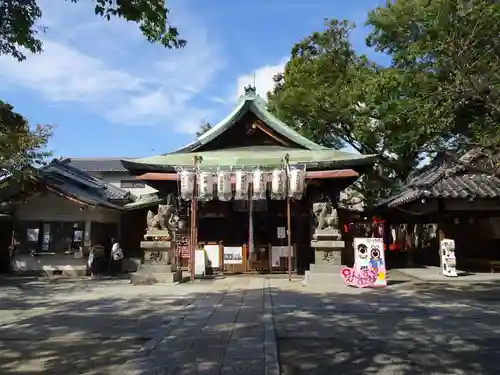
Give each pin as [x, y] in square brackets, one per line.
[116, 257]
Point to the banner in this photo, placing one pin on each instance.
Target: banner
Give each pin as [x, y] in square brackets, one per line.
[448, 258]
[369, 264]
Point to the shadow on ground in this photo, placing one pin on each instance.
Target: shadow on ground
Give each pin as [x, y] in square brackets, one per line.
[418, 329]
[218, 327]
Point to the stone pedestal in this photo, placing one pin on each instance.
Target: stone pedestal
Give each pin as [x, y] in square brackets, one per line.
[158, 264]
[328, 247]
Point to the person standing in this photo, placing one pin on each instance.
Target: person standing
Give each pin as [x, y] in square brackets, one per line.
[116, 257]
[92, 263]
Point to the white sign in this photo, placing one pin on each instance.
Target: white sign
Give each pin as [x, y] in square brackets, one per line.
[281, 232]
[278, 252]
[233, 255]
[212, 254]
[199, 262]
[448, 258]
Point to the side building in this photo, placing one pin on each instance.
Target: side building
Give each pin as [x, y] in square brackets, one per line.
[63, 209]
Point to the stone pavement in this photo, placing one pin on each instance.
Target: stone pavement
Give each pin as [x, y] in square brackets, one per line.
[407, 328]
[232, 326]
[111, 327]
[225, 332]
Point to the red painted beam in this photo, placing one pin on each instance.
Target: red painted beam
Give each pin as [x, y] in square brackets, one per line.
[312, 175]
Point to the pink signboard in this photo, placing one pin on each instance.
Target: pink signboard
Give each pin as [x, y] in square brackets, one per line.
[369, 264]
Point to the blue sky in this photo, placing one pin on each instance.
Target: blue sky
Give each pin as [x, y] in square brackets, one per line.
[111, 93]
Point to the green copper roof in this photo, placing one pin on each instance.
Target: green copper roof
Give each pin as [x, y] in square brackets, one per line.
[309, 153]
[251, 102]
[263, 156]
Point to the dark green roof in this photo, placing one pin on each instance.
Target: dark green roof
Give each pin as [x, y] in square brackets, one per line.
[250, 102]
[256, 156]
[309, 153]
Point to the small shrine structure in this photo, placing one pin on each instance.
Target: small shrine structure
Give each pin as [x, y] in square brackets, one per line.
[454, 198]
[251, 186]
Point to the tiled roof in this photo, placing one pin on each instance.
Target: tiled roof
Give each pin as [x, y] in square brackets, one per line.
[109, 191]
[70, 181]
[449, 179]
[97, 164]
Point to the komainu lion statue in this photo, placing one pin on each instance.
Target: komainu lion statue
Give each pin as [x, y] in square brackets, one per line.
[165, 218]
[326, 215]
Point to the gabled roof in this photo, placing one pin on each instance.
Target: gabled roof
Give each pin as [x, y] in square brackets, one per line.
[97, 164]
[251, 102]
[65, 180]
[449, 178]
[109, 191]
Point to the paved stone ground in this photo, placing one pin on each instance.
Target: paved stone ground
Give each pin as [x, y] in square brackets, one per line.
[225, 327]
[408, 328]
[111, 327]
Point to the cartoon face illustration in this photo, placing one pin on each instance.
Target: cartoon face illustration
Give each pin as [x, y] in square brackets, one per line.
[362, 251]
[375, 253]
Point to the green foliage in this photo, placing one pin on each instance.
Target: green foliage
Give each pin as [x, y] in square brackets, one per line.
[204, 127]
[452, 48]
[440, 91]
[21, 148]
[19, 30]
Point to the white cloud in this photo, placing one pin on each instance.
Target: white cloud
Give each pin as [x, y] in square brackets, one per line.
[110, 69]
[263, 79]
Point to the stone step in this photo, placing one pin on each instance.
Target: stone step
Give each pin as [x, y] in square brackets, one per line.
[325, 268]
[323, 278]
[147, 278]
[156, 268]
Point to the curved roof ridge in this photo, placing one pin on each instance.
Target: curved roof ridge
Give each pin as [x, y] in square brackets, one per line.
[250, 101]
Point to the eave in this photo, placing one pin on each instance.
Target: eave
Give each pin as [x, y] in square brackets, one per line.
[311, 175]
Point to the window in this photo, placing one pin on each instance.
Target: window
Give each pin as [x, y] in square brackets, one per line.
[132, 184]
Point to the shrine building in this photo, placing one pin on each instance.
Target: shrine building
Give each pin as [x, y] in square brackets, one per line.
[240, 231]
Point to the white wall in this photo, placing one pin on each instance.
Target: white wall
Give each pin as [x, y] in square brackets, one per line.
[114, 178]
[51, 207]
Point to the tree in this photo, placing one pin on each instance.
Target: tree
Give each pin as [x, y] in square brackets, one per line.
[204, 127]
[21, 148]
[18, 29]
[338, 98]
[441, 90]
[453, 47]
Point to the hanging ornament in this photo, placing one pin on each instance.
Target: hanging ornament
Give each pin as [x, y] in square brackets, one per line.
[206, 186]
[224, 190]
[278, 184]
[259, 185]
[187, 179]
[297, 177]
[241, 188]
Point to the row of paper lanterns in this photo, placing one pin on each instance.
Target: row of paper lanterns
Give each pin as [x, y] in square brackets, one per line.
[219, 185]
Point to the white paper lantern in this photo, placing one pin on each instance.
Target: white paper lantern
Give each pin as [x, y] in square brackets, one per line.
[259, 184]
[297, 182]
[278, 184]
[224, 192]
[187, 184]
[241, 188]
[205, 186]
